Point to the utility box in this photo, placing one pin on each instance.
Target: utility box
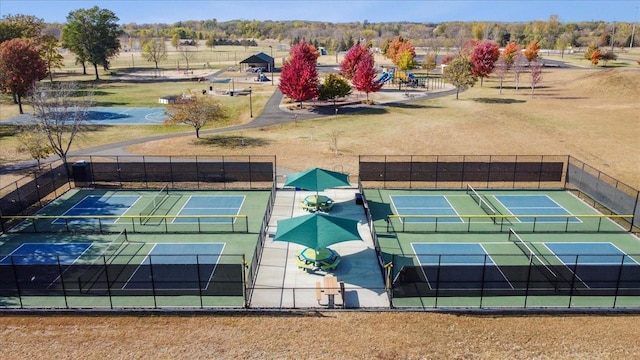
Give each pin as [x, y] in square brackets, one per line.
[359, 200]
[81, 171]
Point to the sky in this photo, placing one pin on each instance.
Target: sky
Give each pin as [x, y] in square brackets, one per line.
[169, 12]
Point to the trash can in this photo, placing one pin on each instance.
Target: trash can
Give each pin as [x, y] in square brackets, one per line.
[359, 199]
[81, 171]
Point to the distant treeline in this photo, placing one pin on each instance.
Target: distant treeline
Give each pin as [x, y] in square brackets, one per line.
[550, 34]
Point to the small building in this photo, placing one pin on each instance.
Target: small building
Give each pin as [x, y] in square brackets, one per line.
[169, 99]
[259, 62]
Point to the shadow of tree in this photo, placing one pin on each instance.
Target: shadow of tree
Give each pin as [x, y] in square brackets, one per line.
[232, 141]
[498, 101]
[402, 105]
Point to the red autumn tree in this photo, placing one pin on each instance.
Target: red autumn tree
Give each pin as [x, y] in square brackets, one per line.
[20, 68]
[483, 57]
[299, 76]
[365, 74]
[531, 51]
[351, 59]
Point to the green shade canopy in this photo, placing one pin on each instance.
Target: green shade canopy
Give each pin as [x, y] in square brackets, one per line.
[317, 179]
[317, 231]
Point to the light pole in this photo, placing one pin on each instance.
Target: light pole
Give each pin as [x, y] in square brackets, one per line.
[272, 63]
[250, 103]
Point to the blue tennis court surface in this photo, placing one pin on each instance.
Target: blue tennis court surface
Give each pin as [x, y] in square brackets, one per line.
[177, 266]
[459, 266]
[96, 205]
[523, 205]
[210, 205]
[598, 265]
[101, 115]
[604, 253]
[424, 205]
[46, 254]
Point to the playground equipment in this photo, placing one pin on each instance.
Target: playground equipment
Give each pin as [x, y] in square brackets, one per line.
[385, 77]
[261, 78]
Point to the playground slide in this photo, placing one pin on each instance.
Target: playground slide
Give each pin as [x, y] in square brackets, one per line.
[385, 77]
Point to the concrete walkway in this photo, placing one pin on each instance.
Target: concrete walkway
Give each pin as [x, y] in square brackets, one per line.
[280, 284]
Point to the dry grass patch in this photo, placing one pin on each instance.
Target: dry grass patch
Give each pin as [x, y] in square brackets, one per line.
[339, 335]
[571, 114]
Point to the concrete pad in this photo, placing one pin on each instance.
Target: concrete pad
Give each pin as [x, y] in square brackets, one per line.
[280, 284]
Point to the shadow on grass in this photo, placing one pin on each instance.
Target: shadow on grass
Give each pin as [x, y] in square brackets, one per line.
[498, 101]
[232, 141]
[7, 130]
[401, 105]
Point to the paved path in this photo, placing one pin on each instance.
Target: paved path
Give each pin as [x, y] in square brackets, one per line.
[272, 114]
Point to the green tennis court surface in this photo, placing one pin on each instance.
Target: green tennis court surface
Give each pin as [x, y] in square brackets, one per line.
[545, 248]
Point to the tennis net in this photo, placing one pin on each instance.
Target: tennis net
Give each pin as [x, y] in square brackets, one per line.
[482, 202]
[156, 201]
[534, 259]
[99, 265]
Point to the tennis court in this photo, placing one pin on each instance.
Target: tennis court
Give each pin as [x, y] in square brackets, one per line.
[96, 205]
[503, 248]
[522, 205]
[423, 205]
[210, 205]
[134, 248]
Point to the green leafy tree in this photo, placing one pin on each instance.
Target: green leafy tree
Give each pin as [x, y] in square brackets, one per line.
[334, 87]
[459, 72]
[20, 26]
[196, 111]
[20, 68]
[154, 51]
[175, 41]
[49, 52]
[93, 35]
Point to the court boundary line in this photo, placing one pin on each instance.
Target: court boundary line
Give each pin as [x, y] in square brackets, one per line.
[461, 220]
[173, 221]
[484, 264]
[623, 253]
[569, 214]
[224, 244]
[75, 222]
